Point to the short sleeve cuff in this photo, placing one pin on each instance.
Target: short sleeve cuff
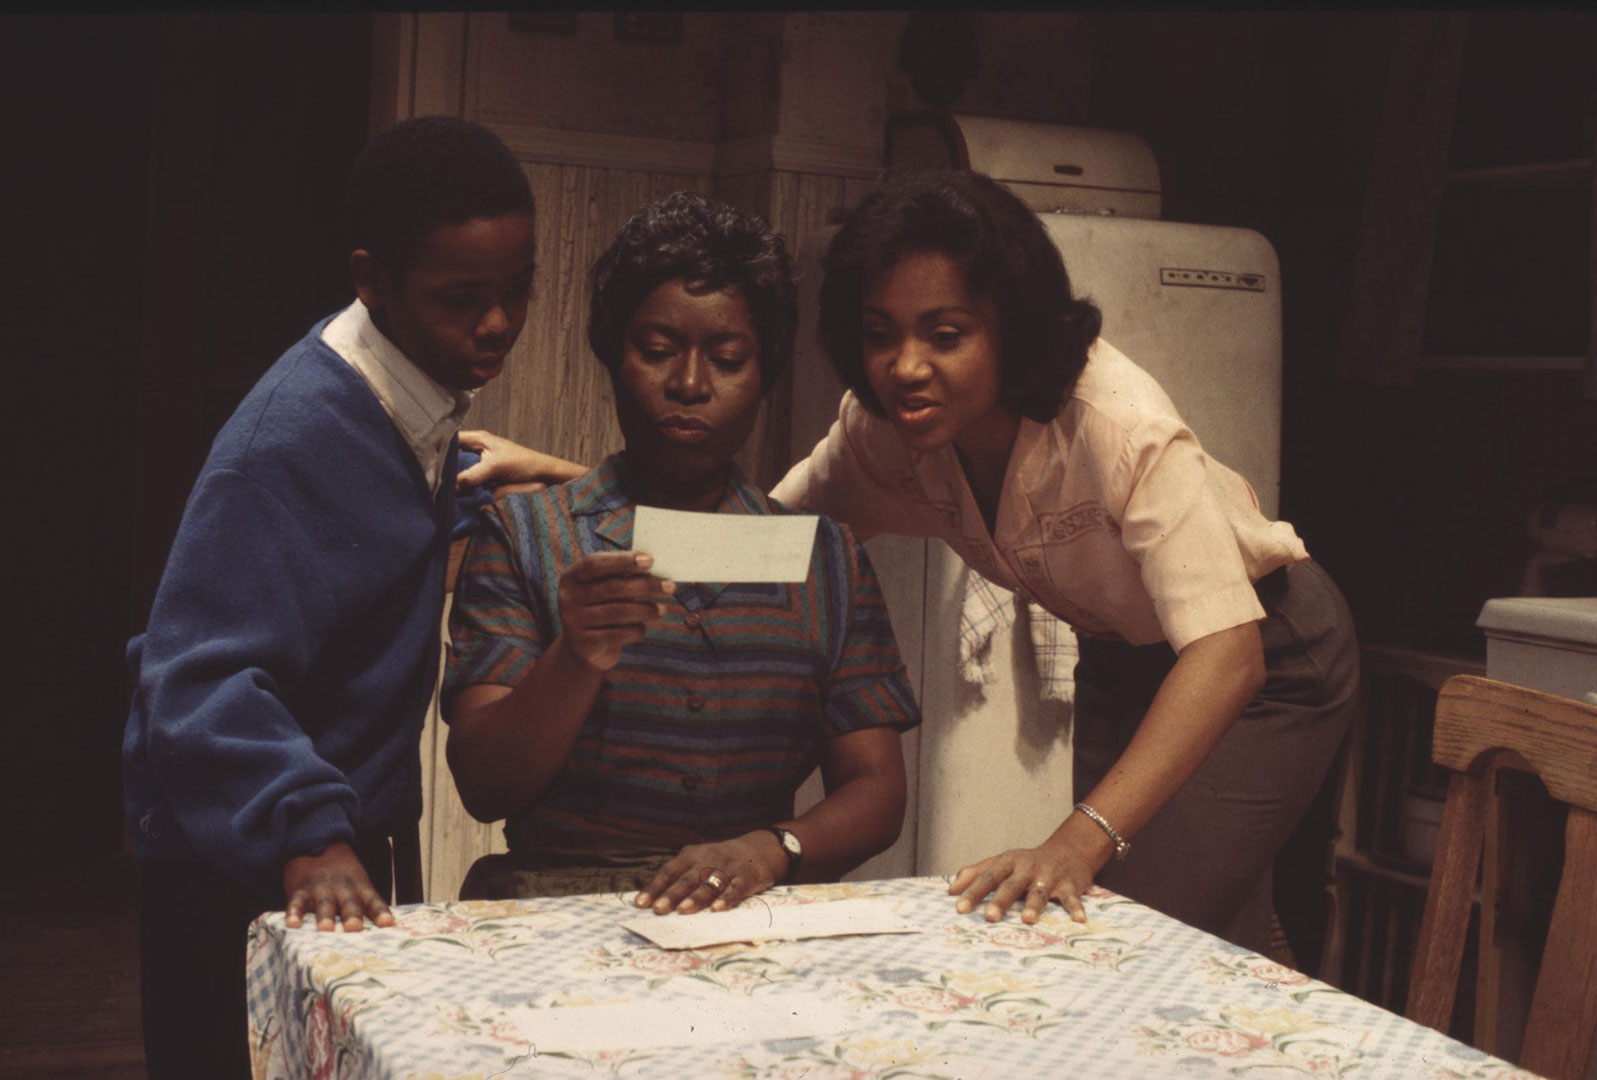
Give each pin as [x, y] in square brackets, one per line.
[1210, 613]
[885, 703]
[486, 661]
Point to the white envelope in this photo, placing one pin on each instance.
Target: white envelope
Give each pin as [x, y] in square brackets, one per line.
[725, 548]
[754, 921]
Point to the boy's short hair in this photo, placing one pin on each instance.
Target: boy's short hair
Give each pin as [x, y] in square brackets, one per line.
[1007, 259]
[421, 174]
[712, 247]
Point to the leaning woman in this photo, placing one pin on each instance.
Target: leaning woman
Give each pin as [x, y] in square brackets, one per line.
[638, 734]
[1218, 664]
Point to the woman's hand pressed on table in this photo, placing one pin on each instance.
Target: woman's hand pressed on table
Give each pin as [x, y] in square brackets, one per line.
[1061, 868]
[744, 866]
[1199, 699]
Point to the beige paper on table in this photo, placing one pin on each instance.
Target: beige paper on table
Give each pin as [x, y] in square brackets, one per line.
[758, 922]
[725, 548]
[644, 1024]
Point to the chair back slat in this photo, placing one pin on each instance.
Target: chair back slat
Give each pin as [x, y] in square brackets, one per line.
[1556, 738]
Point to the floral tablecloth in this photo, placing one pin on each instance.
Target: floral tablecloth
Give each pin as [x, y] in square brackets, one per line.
[1130, 994]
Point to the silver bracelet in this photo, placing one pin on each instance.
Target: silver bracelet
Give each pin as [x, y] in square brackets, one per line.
[1122, 846]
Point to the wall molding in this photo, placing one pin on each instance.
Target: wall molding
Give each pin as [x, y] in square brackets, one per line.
[555, 146]
[786, 153]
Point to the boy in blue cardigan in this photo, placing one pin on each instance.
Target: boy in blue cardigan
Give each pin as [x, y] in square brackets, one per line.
[271, 752]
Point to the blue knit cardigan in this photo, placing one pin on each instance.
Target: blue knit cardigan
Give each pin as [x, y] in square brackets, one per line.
[292, 649]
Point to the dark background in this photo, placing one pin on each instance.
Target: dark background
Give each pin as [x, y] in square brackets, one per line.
[173, 201]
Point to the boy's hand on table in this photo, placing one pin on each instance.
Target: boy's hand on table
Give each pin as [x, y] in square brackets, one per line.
[330, 887]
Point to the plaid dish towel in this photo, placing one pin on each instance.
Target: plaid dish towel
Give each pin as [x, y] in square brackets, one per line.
[987, 609]
[1054, 642]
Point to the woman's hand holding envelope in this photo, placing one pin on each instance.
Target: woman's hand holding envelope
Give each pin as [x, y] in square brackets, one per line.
[506, 743]
[607, 601]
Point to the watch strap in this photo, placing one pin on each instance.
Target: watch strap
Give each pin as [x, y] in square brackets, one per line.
[793, 859]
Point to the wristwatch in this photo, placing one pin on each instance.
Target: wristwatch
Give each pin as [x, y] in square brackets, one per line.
[790, 847]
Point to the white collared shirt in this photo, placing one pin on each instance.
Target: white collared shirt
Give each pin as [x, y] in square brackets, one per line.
[426, 414]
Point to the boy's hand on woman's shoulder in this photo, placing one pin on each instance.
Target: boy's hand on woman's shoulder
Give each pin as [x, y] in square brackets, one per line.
[332, 887]
[506, 464]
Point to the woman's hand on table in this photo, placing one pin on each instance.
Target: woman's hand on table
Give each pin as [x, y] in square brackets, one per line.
[743, 866]
[1212, 680]
[510, 466]
[608, 600]
[1061, 868]
[332, 887]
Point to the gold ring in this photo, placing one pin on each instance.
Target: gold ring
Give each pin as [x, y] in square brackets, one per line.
[1040, 886]
[714, 880]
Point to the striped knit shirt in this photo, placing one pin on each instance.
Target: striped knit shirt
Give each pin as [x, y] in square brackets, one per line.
[707, 726]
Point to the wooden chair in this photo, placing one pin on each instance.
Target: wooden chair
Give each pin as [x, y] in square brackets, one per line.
[1482, 724]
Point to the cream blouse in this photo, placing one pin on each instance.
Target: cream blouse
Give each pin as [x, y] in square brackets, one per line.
[1112, 516]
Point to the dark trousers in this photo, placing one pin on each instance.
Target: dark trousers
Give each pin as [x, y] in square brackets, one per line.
[1206, 857]
[193, 927]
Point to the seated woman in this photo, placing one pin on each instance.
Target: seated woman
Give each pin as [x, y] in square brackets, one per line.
[636, 734]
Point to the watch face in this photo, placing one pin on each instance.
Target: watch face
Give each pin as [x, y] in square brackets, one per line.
[790, 843]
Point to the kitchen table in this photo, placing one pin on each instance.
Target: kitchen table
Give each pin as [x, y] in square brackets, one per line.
[487, 989]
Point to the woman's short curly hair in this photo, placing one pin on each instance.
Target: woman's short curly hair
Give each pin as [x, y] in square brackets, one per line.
[1007, 260]
[712, 247]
